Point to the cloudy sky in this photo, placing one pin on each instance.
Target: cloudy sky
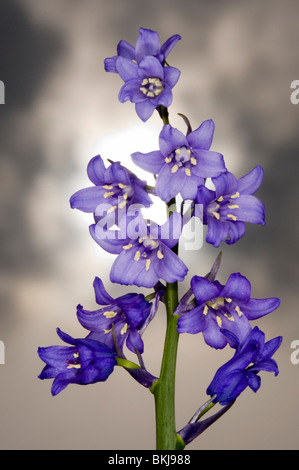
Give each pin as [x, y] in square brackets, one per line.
[237, 61]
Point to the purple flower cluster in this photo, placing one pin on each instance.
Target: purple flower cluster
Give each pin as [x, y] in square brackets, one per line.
[146, 254]
[148, 82]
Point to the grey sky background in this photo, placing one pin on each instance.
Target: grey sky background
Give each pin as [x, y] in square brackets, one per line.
[237, 62]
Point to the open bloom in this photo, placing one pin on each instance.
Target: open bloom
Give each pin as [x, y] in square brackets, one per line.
[122, 318]
[144, 251]
[228, 307]
[251, 357]
[182, 162]
[84, 362]
[147, 44]
[230, 205]
[114, 190]
[147, 84]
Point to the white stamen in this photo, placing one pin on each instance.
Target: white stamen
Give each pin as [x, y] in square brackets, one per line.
[106, 195]
[127, 247]
[239, 312]
[110, 314]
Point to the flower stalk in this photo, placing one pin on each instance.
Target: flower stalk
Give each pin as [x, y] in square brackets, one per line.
[164, 390]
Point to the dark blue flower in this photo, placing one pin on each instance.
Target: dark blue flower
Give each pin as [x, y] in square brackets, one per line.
[183, 162]
[251, 357]
[228, 307]
[231, 204]
[114, 190]
[144, 251]
[122, 318]
[84, 362]
[147, 84]
[147, 44]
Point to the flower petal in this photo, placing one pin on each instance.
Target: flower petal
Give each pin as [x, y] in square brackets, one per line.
[170, 268]
[236, 231]
[127, 69]
[127, 271]
[212, 334]
[130, 91]
[170, 183]
[101, 295]
[171, 76]
[257, 308]
[202, 137]
[87, 199]
[225, 184]
[96, 170]
[217, 231]
[250, 209]
[189, 189]
[147, 44]
[203, 289]
[145, 109]
[192, 322]
[125, 49]
[250, 183]
[110, 64]
[271, 347]
[170, 139]
[151, 161]
[237, 287]
[169, 44]
[134, 342]
[210, 164]
[254, 381]
[108, 240]
[116, 173]
[150, 67]
[165, 98]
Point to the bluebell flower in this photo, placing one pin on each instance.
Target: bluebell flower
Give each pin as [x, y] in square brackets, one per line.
[147, 84]
[251, 357]
[230, 205]
[144, 251]
[182, 163]
[147, 44]
[115, 189]
[86, 361]
[126, 315]
[219, 307]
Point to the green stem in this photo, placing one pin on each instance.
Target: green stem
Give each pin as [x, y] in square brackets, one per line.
[164, 388]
